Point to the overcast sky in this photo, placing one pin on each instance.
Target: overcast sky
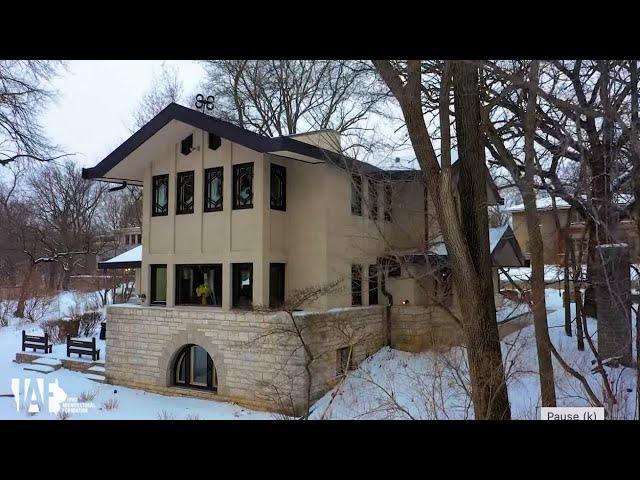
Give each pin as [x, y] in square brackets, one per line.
[92, 112]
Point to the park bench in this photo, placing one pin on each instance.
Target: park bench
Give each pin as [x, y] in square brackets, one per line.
[82, 347]
[36, 342]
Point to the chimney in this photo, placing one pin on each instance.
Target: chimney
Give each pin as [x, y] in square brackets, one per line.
[326, 138]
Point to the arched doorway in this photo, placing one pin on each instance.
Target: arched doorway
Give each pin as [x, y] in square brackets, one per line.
[194, 368]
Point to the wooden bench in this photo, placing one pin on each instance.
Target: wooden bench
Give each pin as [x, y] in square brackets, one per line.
[36, 342]
[83, 347]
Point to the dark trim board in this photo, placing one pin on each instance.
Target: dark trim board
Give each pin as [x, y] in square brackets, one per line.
[115, 265]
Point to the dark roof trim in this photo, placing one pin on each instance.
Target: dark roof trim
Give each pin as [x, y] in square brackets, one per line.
[223, 129]
[114, 265]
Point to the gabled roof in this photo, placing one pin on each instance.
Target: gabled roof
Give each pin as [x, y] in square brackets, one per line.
[229, 131]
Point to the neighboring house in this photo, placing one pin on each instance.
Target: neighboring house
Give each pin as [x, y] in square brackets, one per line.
[553, 239]
[118, 241]
[235, 224]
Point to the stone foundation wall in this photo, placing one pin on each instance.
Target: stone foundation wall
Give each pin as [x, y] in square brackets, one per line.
[415, 329]
[258, 357]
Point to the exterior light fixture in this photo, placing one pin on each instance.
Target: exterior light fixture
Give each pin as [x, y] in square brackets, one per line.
[405, 302]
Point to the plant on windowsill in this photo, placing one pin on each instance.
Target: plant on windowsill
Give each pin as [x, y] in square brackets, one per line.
[202, 291]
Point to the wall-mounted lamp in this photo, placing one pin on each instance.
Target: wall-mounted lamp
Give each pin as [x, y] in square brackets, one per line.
[405, 302]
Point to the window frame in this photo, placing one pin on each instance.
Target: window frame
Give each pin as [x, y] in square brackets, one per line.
[283, 178]
[372, 195]
[186, 145]
[178, 270]
[388, 201]
[180, 208]
[236, 168]
[272, 301]
[356, 278]
[153, 276]
[373, 290]
[155, 183]
[236, 284]
[356, 194]
[185, 354]
[205, 199]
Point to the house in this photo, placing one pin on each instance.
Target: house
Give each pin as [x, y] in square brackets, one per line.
[552, 237]
[235, 224]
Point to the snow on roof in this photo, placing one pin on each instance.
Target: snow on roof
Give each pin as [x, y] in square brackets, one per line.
[495, 234]
[133, 255]
[545, 203]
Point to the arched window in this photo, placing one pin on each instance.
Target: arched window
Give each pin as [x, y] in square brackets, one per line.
[194, 368]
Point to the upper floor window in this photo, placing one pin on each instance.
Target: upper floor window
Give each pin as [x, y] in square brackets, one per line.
[387, 201]
[278, 187]
[213, 189]
[185, 193]
[186, 146]
[373, 199]
[160, 195]
[243, 186]
[356, 194]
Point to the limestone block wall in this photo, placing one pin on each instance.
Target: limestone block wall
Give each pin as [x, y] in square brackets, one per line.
[419, 328]
[258, 357]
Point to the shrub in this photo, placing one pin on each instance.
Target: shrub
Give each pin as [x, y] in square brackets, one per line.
[192, 416]
[63, 415]
[88, 322]
[164, 415]
[6, 312]
[111, 404]
[60, 328]
[87, 396]
[37, 308]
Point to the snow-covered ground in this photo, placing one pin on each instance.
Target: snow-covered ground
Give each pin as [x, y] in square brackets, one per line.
[432, 385]
[131, 403]
[389, 384]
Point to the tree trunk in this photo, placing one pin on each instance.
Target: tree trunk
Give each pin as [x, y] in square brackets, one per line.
[23, 291]
[491, 399]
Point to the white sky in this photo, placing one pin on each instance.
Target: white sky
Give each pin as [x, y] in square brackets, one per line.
[92, 112]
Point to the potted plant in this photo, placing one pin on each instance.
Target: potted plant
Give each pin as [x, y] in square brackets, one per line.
[202, 291]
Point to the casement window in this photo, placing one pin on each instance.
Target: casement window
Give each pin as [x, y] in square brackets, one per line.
[388, 194]
[356, 285]
[213, 180]
[186, 146]
[214, 141]
[184, 193]
[373, 284]
[242, 284]
[158, 284]
[356, 194]
[278, 187]
[276, 285]
[373, 199]
[139, 238]
[394, 268]
[344, 361]
[243, 186]
[199, 285]
[160, 195]
[194, 368]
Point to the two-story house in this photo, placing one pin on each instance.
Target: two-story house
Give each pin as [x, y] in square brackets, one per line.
[235, 224]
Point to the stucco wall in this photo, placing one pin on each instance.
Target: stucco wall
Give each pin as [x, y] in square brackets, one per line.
[253, 352]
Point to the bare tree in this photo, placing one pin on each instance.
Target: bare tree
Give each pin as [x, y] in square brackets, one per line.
[24, 94]
[462, 239]
[166, 88]
[284, 97]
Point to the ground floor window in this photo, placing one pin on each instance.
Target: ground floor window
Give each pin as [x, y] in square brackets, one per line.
[444, 286]
[158, 284]
[194, 368]
[276, 285]
[373, 284]
[356, 285]
[199, 284]
[242, 283]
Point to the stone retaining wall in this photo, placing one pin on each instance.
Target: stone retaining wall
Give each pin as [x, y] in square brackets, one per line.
[415, 329]
[258, 357]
